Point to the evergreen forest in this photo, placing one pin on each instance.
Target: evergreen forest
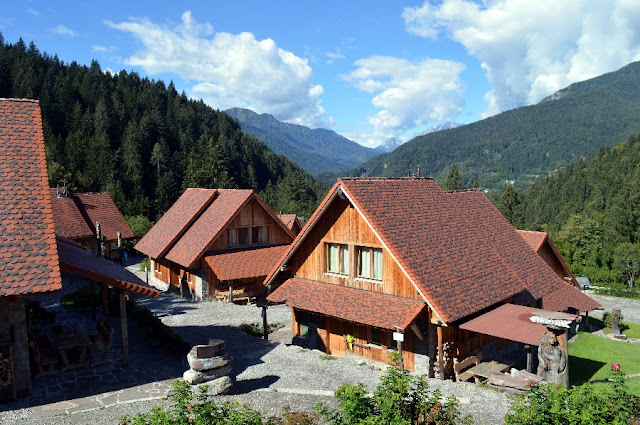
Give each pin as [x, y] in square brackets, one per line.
[141, 140]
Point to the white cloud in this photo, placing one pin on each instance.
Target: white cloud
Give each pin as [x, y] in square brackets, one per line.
[530, 49]
[102, 49]
[229, 70]
[33, 12]
[63, 30]
[408, 94]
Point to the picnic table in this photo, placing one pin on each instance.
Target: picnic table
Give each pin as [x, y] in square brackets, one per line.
[485, 369]
[73, 340]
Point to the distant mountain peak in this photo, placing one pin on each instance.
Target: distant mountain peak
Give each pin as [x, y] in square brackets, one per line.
[388, 145]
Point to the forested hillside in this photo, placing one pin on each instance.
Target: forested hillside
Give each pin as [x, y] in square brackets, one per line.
[527, 142]
[592, 210]
[142, 141]
[315, 150]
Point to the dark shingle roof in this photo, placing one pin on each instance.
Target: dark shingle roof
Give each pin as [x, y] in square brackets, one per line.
[75, 216]
[351, 304]
[175, 222]
[246, 263]
[28, 255]
[75, 259]
[568, 296]
[190, 247]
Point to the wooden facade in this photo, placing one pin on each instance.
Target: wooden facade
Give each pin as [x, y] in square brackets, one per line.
[342, 224]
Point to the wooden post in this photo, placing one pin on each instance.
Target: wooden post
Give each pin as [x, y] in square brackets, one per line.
[587, 326]
[92, 298]
[440, 353]
[265, 326]
[105, 307]
[529, 358]
[231, 291]
[563, 340]
[433, 346]
[123, 324]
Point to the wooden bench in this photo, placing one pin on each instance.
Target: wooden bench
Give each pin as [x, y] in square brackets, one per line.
[45, 360]
[100, 350]
[460, 368]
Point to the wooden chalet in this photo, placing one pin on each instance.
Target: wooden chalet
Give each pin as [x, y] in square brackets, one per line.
[387, 259]
[77, 216]
[216, 242]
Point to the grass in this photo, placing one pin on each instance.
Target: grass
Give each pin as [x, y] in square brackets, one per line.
[590, 358]
[631, 330]
[327, 357]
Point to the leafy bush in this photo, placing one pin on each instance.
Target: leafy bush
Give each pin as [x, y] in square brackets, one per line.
[399, 399]
[549, 403]
[256, 329]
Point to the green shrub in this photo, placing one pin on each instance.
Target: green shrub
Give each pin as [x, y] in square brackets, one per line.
[256, 329]
[399, 399]
[552, 404]
[145, 265]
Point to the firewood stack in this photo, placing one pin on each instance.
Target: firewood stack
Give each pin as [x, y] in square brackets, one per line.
[6, 375]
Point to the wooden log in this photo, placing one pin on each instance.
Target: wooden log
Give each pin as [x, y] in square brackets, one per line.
[125, 330]
[265, 325]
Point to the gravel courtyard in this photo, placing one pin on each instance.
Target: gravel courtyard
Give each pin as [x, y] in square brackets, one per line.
[269, 375]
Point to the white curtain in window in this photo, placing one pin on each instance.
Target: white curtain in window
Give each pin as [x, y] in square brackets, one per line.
[344, 263]
[377, 264]
[332, 258]
[264, 235]
[233, 237]
[365, 262]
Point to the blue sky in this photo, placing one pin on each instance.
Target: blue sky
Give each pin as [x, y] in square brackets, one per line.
[366, 69]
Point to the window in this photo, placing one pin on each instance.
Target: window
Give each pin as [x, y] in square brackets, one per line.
[338, 258]
[370, 263]
[259, 235]
[238, 236]
[376, 336]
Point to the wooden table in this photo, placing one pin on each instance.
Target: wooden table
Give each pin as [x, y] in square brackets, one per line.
[69, 340]
[485, 369]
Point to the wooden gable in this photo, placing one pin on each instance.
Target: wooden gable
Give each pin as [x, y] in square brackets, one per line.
[342, 223]
[250, 215]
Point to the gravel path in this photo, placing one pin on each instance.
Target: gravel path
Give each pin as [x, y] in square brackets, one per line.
[630, 308]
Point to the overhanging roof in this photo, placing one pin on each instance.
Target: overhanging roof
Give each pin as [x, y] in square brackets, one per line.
[350, 304]
[246, 263]
[77, 260]
[511, 321]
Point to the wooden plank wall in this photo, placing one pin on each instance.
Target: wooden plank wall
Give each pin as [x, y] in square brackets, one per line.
[342, 223]
[253, 214]
[167, 272]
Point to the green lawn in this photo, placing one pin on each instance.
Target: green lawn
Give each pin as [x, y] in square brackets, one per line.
[631, 330]
[590, 358]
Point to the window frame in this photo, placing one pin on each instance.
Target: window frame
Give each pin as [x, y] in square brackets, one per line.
[343, 259]
[372, 263]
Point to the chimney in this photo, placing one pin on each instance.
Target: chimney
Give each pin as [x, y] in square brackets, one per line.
[419, 172]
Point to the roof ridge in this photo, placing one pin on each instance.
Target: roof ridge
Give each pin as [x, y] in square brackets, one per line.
[13, 99]
[385, 178]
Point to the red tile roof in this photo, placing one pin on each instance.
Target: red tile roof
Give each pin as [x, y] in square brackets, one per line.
[457, 248]
[99, 207]
[67, 218]
[533, 239]
[195, 241]
[351, 304]
[510, 321]
[77, 260]
[568, 296]
[175, 222]
[28, 255]
[246, 263]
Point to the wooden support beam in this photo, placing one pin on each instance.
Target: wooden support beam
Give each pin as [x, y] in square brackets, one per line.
[265, 325]
[433, 346]
[105, 307]
[125, 329]
[587, 326]
[231, 291]
[529, 358]
[92, 298]
[440, 353]
[417, 331]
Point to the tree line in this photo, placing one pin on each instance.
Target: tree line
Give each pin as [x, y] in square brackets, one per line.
[141, 140]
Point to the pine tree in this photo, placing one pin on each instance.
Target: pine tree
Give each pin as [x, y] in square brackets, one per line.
[454, 181]
[510, 206]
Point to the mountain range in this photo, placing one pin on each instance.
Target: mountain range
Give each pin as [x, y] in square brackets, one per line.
[526, 142]
[315, 150]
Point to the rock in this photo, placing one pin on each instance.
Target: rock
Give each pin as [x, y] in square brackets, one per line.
[198, 364]
[197, 377]
[221, 385]
[216, 347]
